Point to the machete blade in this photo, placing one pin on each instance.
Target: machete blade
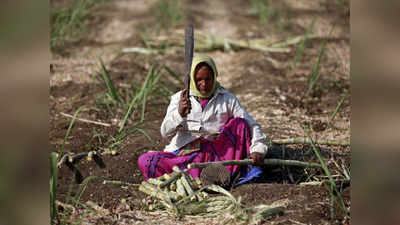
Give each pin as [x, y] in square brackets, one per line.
[189, 48]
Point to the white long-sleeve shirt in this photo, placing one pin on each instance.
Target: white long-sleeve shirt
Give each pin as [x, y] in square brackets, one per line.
[220, 108]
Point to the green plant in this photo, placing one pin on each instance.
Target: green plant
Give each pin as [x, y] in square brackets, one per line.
[53, 186]
[340, 102]
[279, 20]
[343, 3]
[69, 128]
[99, 137]
[315, 74]
[69, 209]
[145, 38]
[112, 92]
[335, 83]
[335, 195]
[120, 136]
[174, 75]
[70, 186]
[169, 13]
[150, 86]
[82, 188]
[67, 21]
[135, 99]
[140, 97]
[302, 44]
[263, 8]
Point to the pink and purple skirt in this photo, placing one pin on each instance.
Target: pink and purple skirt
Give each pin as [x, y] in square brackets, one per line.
[233, 143]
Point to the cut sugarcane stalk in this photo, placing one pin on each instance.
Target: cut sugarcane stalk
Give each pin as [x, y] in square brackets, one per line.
[173, 176]
[206, 42]
[186, 185]
[267, 162]
[176, 169]
[154, 181]
[167, 176]
[180, 189]
[337, 182]
[178, 196]
[307, 141]
[164, 177]
[172, 187]
[156, 192]
[119, 183]
[198, 181]
[194, 185]
[151, 190]
[192, 181]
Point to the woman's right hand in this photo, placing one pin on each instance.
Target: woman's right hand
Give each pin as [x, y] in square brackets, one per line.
[184, 104]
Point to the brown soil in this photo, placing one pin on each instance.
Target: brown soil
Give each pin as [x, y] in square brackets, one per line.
[267, 87]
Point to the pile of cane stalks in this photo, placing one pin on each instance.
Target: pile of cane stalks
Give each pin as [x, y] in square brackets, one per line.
[178, 194]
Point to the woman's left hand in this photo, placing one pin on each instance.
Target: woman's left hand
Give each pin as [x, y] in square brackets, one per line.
[257, 158]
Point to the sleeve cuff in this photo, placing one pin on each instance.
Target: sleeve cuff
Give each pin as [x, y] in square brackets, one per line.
[260, 148]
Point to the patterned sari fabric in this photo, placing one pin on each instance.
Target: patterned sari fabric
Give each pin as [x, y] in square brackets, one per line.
[233, 143]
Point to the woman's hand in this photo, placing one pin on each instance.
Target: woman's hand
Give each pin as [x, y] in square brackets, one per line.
[257, 158]
[181, 153]
[184, 104]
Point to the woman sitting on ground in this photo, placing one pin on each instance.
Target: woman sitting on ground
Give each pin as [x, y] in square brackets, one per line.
[229, 132]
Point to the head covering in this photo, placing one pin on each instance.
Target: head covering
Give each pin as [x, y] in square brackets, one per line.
[197, 59]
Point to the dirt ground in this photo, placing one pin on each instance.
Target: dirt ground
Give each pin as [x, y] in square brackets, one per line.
[266, 85]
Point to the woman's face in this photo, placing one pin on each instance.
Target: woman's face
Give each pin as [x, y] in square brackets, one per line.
[204, 80]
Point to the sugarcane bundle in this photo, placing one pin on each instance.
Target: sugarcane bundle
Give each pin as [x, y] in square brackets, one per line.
[174, 186]
[181, 195]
